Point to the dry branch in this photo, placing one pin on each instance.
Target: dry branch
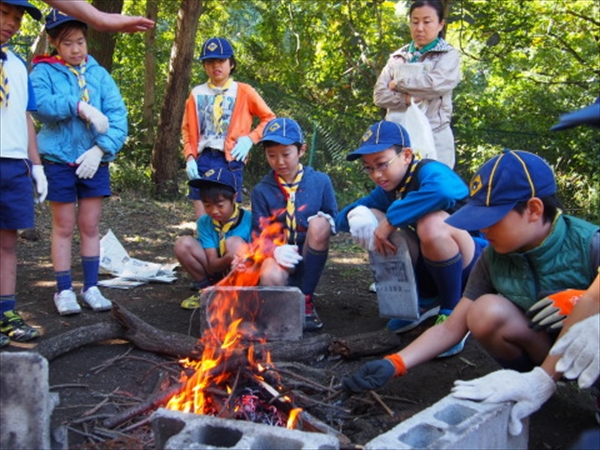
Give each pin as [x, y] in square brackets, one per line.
[366, 344]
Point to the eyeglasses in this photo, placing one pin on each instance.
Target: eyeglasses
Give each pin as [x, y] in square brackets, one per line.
[380, 167]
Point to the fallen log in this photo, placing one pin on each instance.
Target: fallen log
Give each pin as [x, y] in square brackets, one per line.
[366, 344]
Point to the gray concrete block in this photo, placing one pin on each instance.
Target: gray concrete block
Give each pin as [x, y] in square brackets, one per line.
[25, 402]
[273, 313]
[452, 423]
[175, 430]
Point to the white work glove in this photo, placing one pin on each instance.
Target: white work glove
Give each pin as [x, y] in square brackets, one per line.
[191, 168]
[362, 227]
[242, 148]
[287, 255]
[92, 115]
[580, 350]
[528, 390]
[41, 183]
[89, 162]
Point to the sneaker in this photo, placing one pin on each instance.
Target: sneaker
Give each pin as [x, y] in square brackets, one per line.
[95, 300]
[456, 349]
[373, 287]
[311, 318]
[66, 302]
[13, 326]
[402, 325]
[192, 302]
[4, 340]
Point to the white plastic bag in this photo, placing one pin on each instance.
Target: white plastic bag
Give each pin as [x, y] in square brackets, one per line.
[419, 129]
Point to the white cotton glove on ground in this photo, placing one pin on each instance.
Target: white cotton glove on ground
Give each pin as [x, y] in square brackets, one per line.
[41, 183]
[191, 168]
[89, 162]
[580, 350]
[287, 255]
[92, 115]
[528, 390]
[242, 148]
[362, 227]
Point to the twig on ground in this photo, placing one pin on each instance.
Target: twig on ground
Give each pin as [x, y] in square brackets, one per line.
[399, 399]
[378, 399]
[300, 377]
[305, 398]
[97, 369]
[67, 386]
[137, 425]
[467, 362]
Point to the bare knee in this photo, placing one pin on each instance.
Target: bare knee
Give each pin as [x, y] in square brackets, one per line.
[183, 245]
[319, 233]
[272, 274]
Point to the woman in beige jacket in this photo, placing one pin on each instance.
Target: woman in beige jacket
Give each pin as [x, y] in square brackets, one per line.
[425, 71]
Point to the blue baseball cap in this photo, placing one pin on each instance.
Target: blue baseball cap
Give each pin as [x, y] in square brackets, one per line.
[216, 48]
[380, 137]
[31, 10]
[283, 131]
[56, 18]
[512, 177]
[590, 115]
[215, 176]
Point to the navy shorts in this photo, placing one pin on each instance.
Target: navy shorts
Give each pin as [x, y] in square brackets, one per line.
[16, 194]
[65, 186]
[215, 159]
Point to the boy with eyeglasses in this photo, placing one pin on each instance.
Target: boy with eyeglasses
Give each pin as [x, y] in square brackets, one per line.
[412, 199]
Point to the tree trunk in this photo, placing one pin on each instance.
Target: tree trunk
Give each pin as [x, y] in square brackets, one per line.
[165, 153]
[101, 45]
[148, 122]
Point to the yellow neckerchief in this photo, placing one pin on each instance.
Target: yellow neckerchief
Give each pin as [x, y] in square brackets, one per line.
[222, 229]
[79, 72]
[4, 86]
[218, 105]
[289, 191]
[407, 178]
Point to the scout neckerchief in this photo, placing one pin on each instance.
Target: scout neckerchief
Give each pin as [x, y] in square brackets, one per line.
[222, 229]
[401, 191]
[416, 53]
[289, 190]
[4, 87]
[218, 105]
[79, 72]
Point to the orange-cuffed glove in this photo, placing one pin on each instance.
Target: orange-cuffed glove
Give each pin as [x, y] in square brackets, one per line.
[375, 374]
[550, 312]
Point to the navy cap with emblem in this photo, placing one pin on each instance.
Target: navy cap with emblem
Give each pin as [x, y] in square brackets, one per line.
[216, 48]
[215, 176]
[380, 137]
[31, 10]
[283, 131]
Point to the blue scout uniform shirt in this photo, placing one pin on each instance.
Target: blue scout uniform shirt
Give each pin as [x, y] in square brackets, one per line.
[208, 236]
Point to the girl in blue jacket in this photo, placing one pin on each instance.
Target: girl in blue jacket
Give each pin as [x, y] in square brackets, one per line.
[84, 125]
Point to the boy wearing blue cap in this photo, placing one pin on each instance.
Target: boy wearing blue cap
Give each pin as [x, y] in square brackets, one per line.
[222, 233]
[300, 200]
[84, 126]
[412, 199]
[20, 164]
[534, 250]
[217, 123]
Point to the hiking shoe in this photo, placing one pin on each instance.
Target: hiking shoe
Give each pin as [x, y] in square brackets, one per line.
[4, 340]
[311, 318]
[373, 287]
[13, 326]
[192, 302]
[66, 302]
[456, 349]
[95, 300]
[402, 325]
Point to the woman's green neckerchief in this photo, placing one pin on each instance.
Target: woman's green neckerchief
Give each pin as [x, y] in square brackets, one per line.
[416, 53]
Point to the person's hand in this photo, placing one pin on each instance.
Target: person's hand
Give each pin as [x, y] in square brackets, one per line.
[362, 226]
[92, 115]
[41, 183]
[580, 351]
[287, 255]
[191, 168]
[372, 375]
[124, 24]
[550, 312]
[88, 162]
[242, 148]
[528, 390]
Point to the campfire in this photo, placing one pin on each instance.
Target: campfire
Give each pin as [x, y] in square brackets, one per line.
[231, 379]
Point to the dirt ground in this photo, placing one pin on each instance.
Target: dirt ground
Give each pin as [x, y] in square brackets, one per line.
[93, 384]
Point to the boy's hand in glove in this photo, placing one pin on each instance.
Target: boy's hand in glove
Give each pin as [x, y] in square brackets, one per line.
[528, 390]
[191, 169]
[550, 312]
[362, 227]
[287, 255]
[375, 374]
[242, 148]
[89, 162]
[92, 115]
[580, 350]
[41, 183]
